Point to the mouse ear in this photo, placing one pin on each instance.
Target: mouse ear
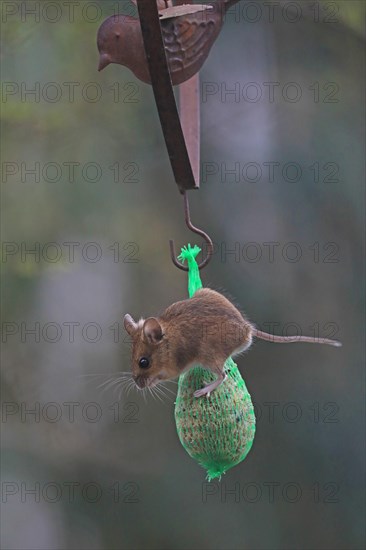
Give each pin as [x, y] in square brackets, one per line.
[129, 324]
[152, 330]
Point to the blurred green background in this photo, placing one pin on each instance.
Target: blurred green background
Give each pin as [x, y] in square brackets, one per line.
[112, 473]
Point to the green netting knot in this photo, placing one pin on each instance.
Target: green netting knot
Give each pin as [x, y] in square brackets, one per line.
[189, 255]
[218, 431]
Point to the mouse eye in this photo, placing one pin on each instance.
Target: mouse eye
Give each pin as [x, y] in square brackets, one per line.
[144, 363]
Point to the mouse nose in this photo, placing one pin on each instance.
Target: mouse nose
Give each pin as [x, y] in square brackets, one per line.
[140, 381]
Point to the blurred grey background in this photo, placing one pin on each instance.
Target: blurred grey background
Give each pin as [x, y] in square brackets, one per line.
[93, 468]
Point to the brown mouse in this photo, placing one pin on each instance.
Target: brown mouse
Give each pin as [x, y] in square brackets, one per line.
[203, 330]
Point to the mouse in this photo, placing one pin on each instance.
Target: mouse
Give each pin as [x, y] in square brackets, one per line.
[204, 330]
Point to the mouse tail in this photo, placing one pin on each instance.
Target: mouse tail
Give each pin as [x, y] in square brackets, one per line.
[293, 339]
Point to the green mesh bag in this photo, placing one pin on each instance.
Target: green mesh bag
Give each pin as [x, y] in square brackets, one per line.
[218, 431]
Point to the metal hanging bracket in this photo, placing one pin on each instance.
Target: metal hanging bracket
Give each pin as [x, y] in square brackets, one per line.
[164, 97]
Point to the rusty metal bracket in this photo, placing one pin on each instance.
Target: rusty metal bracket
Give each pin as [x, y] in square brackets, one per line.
[182, 135]
[185, 177]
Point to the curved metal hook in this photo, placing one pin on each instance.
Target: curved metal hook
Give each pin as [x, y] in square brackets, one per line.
[195, 230]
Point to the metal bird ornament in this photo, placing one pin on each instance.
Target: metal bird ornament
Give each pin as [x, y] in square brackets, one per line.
[189, 32]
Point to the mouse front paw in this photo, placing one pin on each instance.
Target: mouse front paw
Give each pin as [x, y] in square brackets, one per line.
[207, 389]
[210, 386]
[202, 392]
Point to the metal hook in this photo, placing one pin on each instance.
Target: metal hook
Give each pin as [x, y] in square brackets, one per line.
[195, 230]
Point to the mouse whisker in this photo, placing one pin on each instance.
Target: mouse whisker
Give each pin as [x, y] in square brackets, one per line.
[107, 384]
[167, 396]
[148, 389]
[152, 392]
[125, 386]
[121, 385]
[93, 378]
[113, 383]
[157, 393]
[118, 373]
[165, 388]
[130, 386]
[160, 390]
